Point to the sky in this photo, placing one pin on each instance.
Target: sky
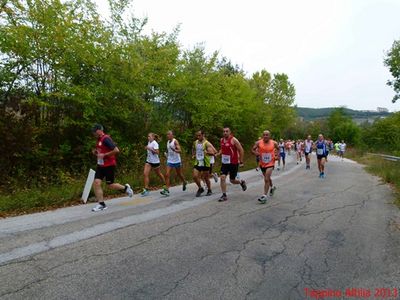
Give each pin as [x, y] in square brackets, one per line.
[332, 50]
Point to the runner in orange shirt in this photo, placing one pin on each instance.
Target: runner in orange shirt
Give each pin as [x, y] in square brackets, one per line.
[267, 149]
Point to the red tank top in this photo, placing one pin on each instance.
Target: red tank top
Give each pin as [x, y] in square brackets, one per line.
[230, 154]
[101, 148]
[267, 153]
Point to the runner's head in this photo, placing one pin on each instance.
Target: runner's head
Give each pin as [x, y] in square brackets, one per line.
[308, 137]
[281, 140]
[98, 130]
[227, 132]
[342, 141]
[153, 137]
[320, 137]
[266, 135]
[200, 135]
[170, 135]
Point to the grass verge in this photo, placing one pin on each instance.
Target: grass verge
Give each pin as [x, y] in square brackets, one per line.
[389, 171]
[23, 201]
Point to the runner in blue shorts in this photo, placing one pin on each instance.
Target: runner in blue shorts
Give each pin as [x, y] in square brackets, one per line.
[322, 152]
[174, 161]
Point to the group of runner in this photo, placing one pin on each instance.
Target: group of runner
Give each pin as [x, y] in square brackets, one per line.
[204, 154]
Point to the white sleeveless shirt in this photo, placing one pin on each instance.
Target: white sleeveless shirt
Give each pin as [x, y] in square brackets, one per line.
[308, 146]
[173, 157]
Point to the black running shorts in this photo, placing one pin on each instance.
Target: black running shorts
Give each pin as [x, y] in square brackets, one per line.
[202, 169]
[231, 169]
[105, 172]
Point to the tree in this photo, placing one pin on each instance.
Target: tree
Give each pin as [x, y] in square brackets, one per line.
[278, 95]
[392, 61]
[383, 135]
[342, 127]
[63, 68]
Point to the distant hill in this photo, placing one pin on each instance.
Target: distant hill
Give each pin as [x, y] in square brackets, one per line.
[358, 116]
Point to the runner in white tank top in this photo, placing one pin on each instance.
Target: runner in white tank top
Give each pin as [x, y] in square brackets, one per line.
[152, 163]
[308, 146]
[174, 161]
[299, 149]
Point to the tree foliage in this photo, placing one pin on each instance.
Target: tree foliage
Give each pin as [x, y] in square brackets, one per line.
[63, 67]
[392, 61]
[342, 127]
[383, 135]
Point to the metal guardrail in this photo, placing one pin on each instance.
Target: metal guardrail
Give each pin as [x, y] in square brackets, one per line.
[387, 157]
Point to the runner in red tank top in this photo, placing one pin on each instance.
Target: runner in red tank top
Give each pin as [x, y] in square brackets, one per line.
[232, 153]
[267, 149]
[106, 161]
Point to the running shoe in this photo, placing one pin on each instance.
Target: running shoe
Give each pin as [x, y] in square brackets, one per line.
[165, 192]
[278, 168]
[297, 163]
[320, 175]
[128, 190]
[209, 193]
[263, 199]
[184, 186]
[272, 191]
[257, 169]
[215, 176]
[145, 193]
[223, 198]
[99, 207]
[199, 192]
[243, 185]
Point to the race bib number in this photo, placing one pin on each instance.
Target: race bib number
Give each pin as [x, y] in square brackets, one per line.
[320, 151]
[200, 155]
[226, 159]
[266, 157]
[281, 150]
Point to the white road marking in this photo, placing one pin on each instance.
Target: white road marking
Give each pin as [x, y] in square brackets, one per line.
[49, 218]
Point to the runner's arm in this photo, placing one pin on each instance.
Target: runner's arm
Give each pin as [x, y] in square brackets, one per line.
[254, 150]
[177, 147]
[240, 149]
[210, 150]
[112, 152]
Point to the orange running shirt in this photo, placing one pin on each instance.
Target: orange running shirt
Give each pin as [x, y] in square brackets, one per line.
[267, 153]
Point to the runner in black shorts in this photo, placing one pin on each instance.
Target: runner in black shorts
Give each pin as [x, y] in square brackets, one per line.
[321, 149]
[106, 162]
[152, 163]
[202, 150]
[232, 154]
[267, 149]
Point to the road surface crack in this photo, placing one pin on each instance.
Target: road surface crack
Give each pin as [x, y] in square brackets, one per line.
[176, 284]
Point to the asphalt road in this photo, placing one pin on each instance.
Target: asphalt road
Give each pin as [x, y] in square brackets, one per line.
[334, 234]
